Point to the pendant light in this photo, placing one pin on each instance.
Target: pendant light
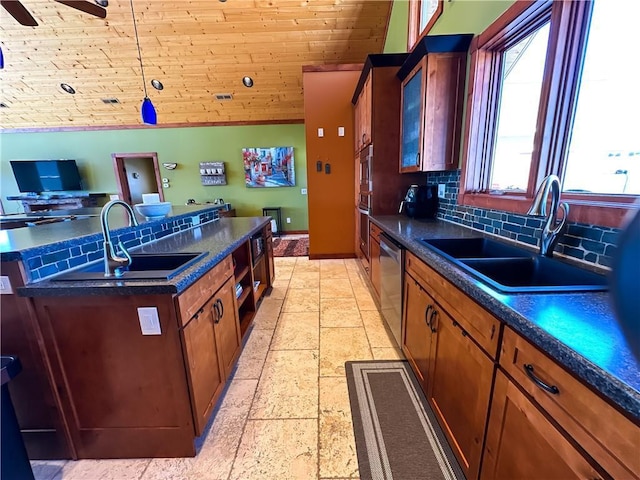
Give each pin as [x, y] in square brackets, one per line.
[148, 110]
[1, 59]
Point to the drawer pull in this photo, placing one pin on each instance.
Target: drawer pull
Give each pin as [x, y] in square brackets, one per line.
[528, 368]
[432, 319]
[464, 332]
[426, 314]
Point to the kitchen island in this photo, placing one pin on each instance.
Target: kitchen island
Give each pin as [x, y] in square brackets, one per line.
[120, 368]
[506, 363]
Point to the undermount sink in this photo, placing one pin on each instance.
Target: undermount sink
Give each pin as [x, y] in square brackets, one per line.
[161, 266]
[514, 270]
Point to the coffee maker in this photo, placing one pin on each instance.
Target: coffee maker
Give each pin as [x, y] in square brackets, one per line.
[421, 201]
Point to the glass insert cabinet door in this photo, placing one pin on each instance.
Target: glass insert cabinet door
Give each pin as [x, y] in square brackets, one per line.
[412, 100]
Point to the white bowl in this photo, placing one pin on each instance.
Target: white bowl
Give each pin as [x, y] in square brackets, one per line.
[153, 210]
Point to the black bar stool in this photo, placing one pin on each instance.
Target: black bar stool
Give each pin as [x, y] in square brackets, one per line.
[15, 462]
[276, 214]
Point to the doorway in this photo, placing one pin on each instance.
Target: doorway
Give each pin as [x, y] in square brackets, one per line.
[137, 173]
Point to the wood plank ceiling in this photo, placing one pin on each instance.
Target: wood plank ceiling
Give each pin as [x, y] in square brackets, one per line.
[196, 48]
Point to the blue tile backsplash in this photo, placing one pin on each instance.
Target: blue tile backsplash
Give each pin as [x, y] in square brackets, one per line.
[42, 262]
[589, 243]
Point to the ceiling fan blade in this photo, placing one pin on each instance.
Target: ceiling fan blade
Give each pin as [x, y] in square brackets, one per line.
[85, 6]
[17, 11]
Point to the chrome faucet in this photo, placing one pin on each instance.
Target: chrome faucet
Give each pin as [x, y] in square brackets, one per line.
[113, 264]
[553, 229]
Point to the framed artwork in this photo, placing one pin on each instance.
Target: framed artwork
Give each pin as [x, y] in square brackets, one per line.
[268, 167]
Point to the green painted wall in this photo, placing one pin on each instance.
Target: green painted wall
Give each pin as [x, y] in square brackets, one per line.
[469, 16]
[185, 146]
[396, 41]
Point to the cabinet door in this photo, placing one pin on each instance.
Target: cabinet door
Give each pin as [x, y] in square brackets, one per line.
[443, 98]
[206, 376]
[365, 122]
[374, 252]
[416, 338]
[227, 327]
[522, 443]
[459, 388]
[412, 120]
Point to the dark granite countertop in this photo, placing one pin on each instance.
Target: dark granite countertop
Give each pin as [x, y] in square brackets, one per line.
[219, 238]
[578, 330]
[14, 242]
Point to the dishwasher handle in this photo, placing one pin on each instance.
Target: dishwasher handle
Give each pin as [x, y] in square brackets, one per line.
[390, 248]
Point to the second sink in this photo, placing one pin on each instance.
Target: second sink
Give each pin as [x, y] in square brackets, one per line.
[511, 269]
[143, 266]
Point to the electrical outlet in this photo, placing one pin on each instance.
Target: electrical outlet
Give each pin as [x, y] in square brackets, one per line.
[441, 190]
[5, 285]
[149, 321]
[288, 220]
[321, 132]
[303, 191]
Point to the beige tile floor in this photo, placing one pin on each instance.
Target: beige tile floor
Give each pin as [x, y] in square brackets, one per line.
[285, 413]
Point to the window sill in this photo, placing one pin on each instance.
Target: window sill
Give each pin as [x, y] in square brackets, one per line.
[603, 213]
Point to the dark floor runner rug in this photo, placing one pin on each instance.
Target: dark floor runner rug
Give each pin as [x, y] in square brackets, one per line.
[397, 435]
[283, 247]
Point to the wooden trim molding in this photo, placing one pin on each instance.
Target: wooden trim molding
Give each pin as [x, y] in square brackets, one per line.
[415, 35]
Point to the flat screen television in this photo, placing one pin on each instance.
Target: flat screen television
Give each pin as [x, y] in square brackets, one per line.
[46, 175]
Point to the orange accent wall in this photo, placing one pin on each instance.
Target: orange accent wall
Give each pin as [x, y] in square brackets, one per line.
[327, 105]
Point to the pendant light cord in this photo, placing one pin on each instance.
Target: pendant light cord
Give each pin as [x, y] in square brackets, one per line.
[135, 29]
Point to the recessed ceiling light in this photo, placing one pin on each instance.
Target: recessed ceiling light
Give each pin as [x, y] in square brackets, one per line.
[4, 105]
[103, 3]
[157, 84]
[247, 82]
[67, 88]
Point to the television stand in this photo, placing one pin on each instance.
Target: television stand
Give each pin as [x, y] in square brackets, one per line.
[59, 201]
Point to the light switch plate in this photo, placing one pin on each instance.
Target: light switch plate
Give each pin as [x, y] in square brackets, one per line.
[303, 191]
[441, 190]
[5, 285]
[149, 321]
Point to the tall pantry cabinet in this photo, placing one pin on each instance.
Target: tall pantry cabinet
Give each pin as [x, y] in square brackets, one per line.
[328, 119]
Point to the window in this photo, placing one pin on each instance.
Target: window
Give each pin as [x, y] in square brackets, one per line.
[422, 15]
[552, 93]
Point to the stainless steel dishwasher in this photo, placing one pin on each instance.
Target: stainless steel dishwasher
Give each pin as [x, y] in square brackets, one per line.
[391, 262]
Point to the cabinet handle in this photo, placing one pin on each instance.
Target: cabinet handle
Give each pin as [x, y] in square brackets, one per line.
[426, 315]
[364, 137]
[528, 368]
[216, 312]
[219, 302]
[432, 319]
[418, 159]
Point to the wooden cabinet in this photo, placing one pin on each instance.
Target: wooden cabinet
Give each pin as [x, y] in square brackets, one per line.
[459, 388]
[455, 372]
[416, 332]
[606, 435]
[226, 326]
[205, 374]
[374, 253]
[523, 443]
[362, 115]
[432, 100]
[271, 268]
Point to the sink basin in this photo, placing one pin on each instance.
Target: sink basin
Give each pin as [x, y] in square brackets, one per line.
[161, 266]
[514, 270]
[534, 274]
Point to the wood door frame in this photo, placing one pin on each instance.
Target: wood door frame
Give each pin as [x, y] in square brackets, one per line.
[121, 177]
